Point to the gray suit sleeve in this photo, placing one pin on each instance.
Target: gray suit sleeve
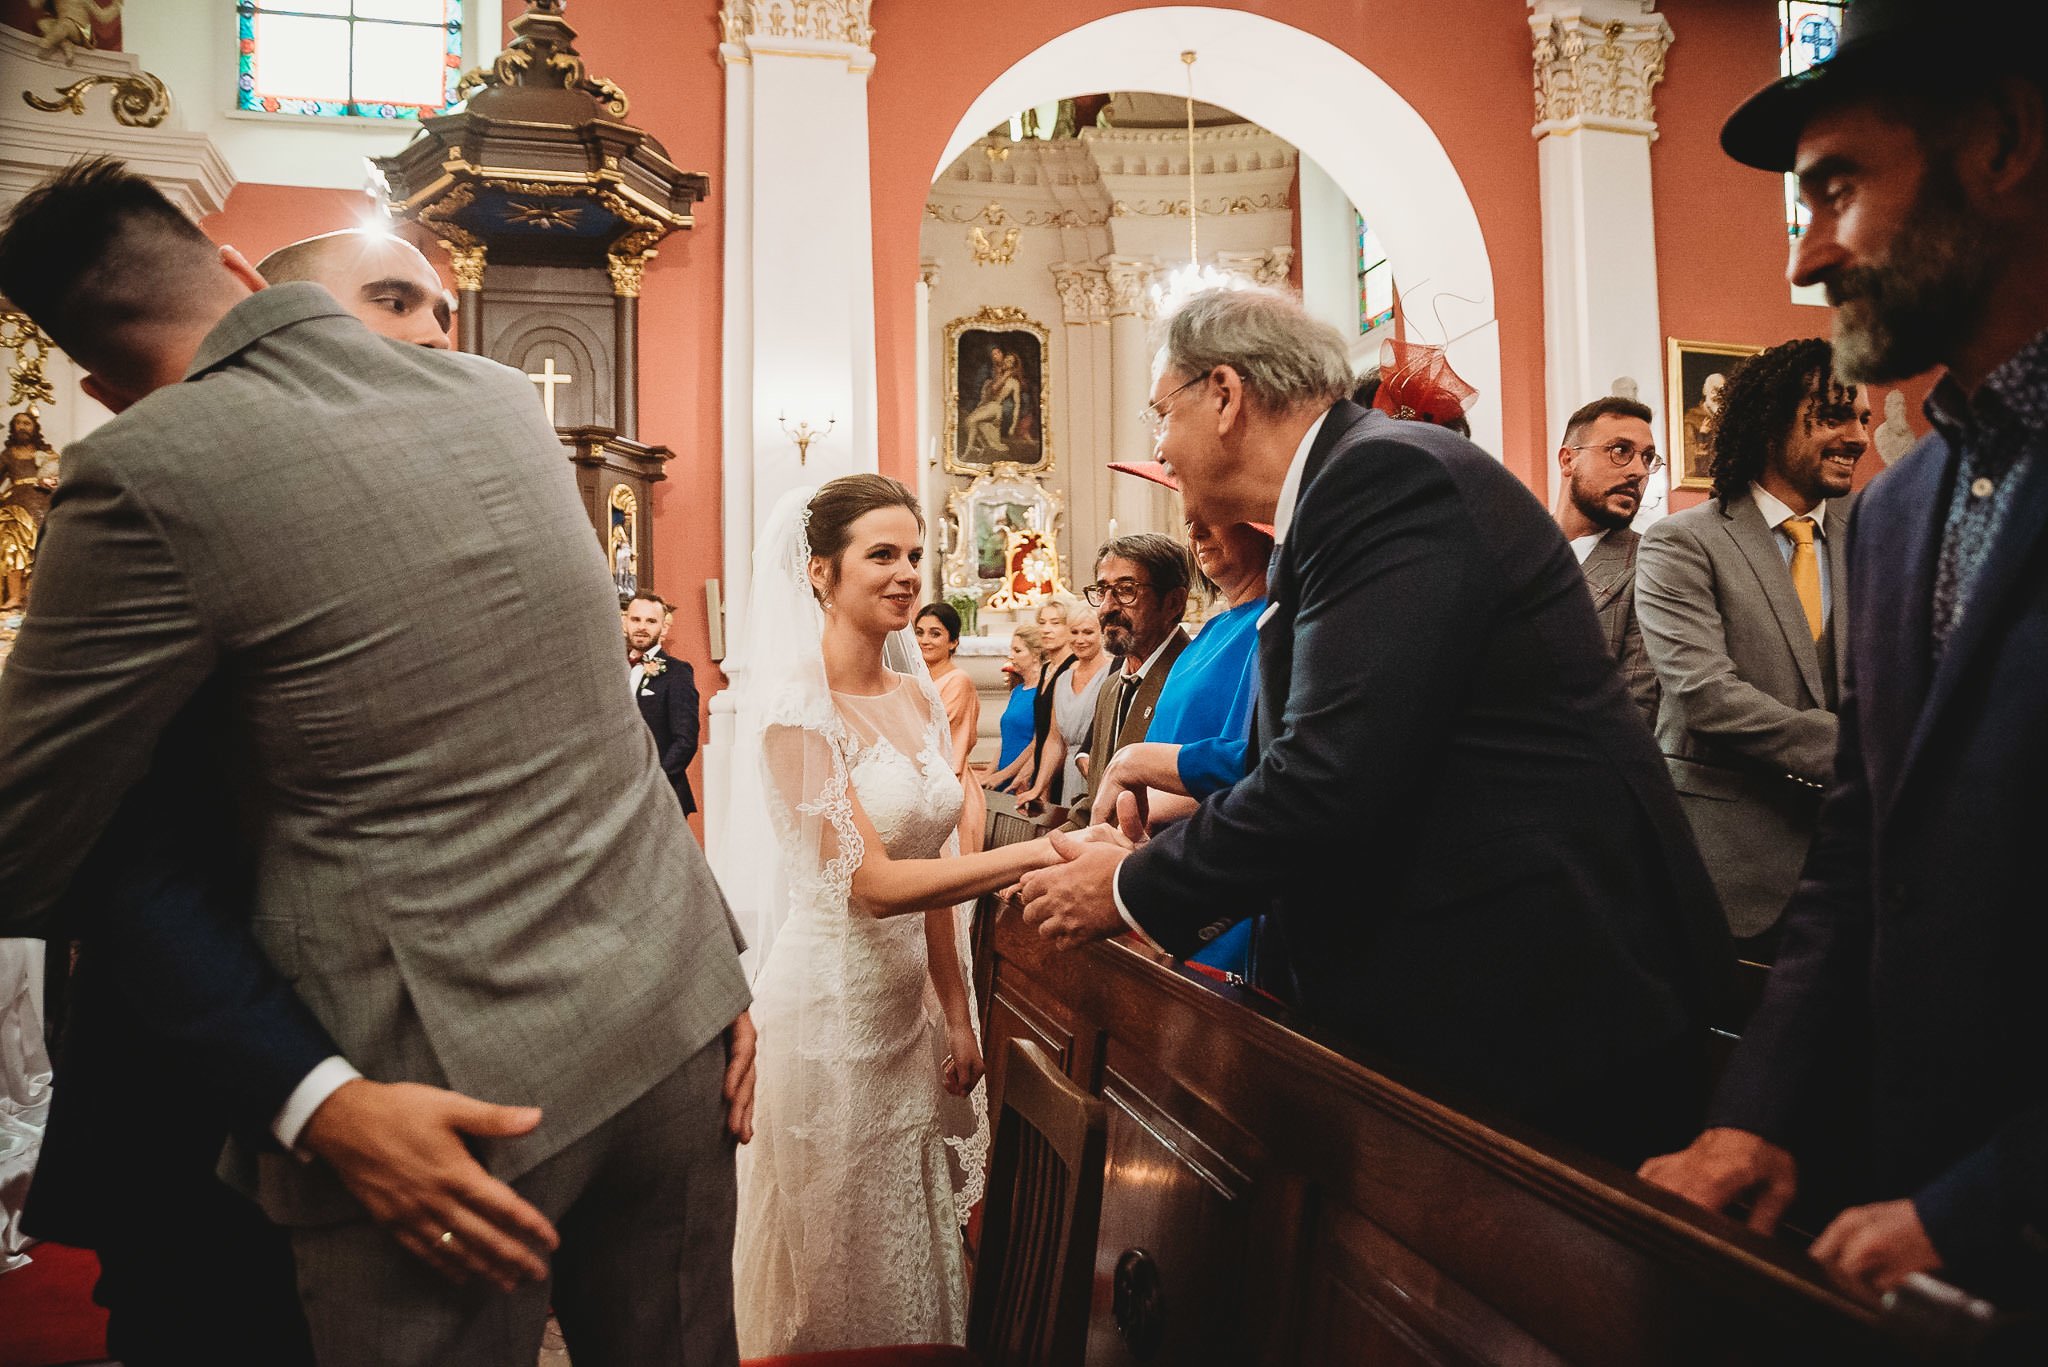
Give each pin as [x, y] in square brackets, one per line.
[1682, 632]
[1636, 670]
[109, 652]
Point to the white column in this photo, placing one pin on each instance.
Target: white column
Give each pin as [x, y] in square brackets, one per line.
[1137, 505]
[799, 334]
[1596, 62]
[1329, 250]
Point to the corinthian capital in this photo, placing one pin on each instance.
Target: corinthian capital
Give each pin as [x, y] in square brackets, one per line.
[1083, 291]
[1596, 62]
[1128, 278]
[826, 21]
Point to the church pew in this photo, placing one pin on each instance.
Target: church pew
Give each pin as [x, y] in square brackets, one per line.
[1273, 1197]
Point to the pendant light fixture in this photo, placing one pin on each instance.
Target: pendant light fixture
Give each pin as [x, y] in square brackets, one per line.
[1194, 277]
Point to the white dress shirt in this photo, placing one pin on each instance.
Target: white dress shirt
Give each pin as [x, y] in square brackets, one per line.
[1582, 546]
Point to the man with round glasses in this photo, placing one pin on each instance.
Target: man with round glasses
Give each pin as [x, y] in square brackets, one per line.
[1744, 608]
[1607, 457]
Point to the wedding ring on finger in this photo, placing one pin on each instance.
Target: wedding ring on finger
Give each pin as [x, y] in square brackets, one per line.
[447, 1239]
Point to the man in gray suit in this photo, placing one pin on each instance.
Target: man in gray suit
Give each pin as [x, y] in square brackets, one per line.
[1607, 455]
[462, 904]
[1744, 606]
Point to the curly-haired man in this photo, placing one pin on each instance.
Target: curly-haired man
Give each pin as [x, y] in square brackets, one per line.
[1744, 608]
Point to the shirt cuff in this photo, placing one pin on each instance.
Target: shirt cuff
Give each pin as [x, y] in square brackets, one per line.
[314, 1088]
[1116, 891]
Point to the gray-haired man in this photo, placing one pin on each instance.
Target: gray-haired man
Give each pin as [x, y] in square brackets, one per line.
[1469, 852]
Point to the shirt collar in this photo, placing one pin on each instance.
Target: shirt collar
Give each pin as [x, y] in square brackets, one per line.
[1153, 658]
[2015, 394]
[1582, 546]
[1290, 488]
[1777, 514]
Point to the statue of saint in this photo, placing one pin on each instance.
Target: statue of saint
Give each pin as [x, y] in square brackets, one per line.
[28, 472]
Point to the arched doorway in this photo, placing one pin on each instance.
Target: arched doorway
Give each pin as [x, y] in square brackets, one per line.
[1379, 150]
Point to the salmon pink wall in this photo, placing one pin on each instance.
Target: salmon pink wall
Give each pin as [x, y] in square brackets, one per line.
[933, 57]
[1721, 244]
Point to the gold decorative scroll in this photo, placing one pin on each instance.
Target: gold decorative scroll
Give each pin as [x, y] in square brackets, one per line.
[140, 101]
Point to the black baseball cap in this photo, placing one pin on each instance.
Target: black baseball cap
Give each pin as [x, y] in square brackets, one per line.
[1885, 45]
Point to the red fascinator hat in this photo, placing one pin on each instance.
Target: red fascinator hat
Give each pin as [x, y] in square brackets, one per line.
[1417, 383]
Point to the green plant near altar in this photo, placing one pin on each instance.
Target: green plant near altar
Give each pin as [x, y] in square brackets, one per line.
[968, 605]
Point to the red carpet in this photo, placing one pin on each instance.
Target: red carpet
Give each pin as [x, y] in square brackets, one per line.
[48, 1310]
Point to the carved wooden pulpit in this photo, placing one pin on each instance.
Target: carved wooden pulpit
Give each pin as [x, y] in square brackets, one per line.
[549, 206]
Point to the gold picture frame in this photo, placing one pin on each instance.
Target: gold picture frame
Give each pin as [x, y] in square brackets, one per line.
[998, 412]
[1689, 367]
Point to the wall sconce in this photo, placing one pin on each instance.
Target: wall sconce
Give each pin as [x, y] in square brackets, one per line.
[803, 434]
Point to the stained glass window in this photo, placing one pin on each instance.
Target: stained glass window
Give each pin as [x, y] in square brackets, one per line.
[379, 59]
[1375, 279]
[1808, 31]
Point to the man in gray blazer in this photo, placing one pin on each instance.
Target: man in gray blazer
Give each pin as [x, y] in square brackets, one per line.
[1607, 455]
[462, 904]
[1745, 612]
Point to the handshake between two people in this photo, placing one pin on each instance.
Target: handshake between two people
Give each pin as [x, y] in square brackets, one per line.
[1074, 901]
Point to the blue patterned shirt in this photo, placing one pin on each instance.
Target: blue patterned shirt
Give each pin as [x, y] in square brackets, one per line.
[1990, 433]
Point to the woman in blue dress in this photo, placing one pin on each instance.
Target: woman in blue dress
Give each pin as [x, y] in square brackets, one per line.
[1026, 656]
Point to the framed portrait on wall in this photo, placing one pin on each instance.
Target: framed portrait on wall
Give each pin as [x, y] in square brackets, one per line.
[995, 393]
[1694, 373]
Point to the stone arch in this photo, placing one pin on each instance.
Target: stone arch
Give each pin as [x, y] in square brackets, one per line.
[1288, 81]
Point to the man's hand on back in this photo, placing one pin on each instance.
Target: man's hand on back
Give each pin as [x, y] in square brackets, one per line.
[399, 1149]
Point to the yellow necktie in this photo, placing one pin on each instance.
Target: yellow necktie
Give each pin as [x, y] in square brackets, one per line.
[1806, 571]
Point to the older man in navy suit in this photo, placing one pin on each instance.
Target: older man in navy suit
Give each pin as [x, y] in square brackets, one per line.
[666, 690]
[1913, 948]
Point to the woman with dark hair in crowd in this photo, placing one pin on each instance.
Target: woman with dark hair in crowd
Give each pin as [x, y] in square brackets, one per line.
[938, 636]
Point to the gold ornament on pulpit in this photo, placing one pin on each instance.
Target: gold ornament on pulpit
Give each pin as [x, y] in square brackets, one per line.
[1031, 571]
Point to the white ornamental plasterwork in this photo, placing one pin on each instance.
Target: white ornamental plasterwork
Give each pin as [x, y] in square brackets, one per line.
[1268, 267]
[1130, 282]
[928, 271]
[1083, 289]
[994, 215]
[1211, 208]
[825, 21]
[1597, 75]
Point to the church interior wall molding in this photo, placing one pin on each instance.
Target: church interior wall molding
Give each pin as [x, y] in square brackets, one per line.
[1597, 63]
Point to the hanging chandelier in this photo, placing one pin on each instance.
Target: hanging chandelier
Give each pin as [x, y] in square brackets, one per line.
[1191, 279]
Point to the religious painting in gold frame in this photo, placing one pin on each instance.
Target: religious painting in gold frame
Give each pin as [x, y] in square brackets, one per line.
[1693, 375]
[622, 541]
[997, 408]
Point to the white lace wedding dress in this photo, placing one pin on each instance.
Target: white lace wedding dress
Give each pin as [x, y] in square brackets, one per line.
[849, 1232]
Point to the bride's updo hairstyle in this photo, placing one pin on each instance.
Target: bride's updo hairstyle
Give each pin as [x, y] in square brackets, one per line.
[832, 511]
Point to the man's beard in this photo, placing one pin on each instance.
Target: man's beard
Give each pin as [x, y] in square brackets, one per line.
[1909, 312]
[1599, 514]
[1117, 635]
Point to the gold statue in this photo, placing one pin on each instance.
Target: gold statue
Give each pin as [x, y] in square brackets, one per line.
[28, 472]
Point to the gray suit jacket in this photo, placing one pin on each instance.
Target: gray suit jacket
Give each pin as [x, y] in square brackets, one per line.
[380, 547]
[1745, 723]
[1610, 572]
[1104, 740]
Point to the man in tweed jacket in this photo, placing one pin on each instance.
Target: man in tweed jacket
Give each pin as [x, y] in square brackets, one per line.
[461, 904]
[1597, 498]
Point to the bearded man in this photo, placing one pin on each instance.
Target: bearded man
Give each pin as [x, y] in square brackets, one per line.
[1607, 456]
[1744, 603]
[1913, 948]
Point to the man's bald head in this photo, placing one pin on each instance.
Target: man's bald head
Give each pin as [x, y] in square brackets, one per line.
[381, 279]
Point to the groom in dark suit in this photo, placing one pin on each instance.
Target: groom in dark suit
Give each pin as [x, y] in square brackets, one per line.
[666, 690]
[1914, 944]
[1467, 850]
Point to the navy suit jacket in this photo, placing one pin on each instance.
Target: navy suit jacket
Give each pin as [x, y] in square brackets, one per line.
[668, 702]
[1916, 943]
[1468, 843]
[178, 1028]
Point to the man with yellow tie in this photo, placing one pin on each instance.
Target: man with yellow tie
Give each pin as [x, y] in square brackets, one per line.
[1744, 613]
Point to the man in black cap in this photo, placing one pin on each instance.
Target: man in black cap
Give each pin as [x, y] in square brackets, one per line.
[1913, 948]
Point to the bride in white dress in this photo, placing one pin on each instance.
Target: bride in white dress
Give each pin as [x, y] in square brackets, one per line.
[870, 1124]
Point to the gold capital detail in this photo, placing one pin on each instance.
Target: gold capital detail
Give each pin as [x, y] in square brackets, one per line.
[468, 265]
[626, 272]
[140, 101]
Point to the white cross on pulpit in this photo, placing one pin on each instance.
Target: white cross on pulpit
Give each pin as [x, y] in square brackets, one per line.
[547, 380]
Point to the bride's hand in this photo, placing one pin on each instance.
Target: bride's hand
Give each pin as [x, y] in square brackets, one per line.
[963, 1067]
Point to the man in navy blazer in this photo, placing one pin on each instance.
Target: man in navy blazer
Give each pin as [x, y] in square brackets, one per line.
[1469, 853]
[1913, 948]
[666, 689]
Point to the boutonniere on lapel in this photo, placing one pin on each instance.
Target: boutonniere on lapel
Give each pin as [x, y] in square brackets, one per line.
[653, 667]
